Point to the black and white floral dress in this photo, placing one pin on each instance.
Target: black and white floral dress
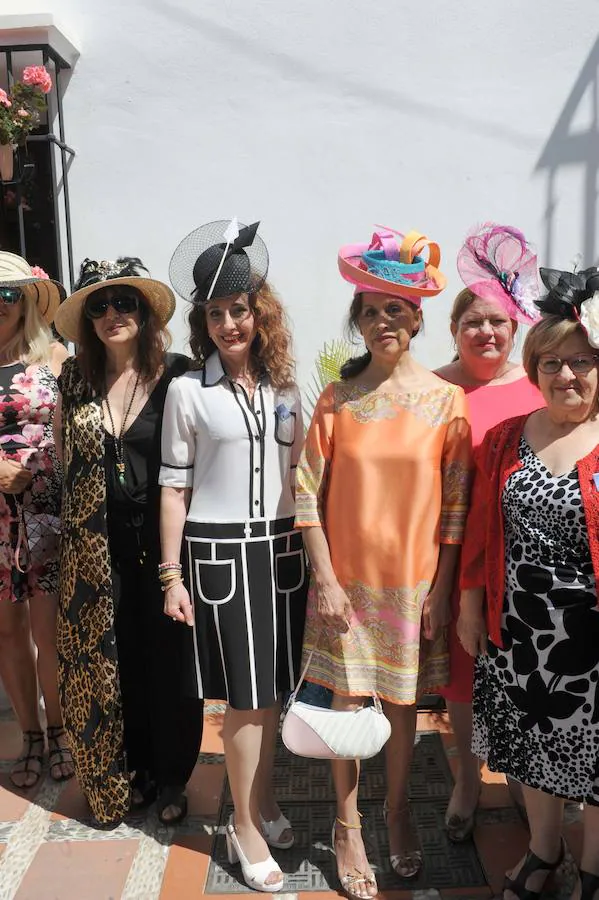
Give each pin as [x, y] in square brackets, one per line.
[536, 701]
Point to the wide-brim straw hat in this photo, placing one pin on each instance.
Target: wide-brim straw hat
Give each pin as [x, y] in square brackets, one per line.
[392, 264]
[159, 297]
[16, 272]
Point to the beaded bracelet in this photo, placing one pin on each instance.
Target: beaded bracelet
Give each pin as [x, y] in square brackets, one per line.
[169, 565]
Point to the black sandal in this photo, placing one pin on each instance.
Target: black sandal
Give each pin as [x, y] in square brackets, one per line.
[31, 738]
[171, 795]
[57, 755]
[146, 788]
[589, 885]
[532, 864]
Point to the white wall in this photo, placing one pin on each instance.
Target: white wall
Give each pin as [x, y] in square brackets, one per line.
[323, 117]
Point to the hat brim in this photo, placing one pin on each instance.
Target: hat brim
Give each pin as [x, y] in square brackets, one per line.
[46, 293]
[159, 297]
[352, 269]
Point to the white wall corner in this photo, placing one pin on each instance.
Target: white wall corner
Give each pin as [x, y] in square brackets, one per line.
[37, 28]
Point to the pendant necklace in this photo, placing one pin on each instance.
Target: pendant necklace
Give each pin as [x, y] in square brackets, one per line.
[118, 442]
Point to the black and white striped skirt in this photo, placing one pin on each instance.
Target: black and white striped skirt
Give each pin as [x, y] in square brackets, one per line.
[248, 584]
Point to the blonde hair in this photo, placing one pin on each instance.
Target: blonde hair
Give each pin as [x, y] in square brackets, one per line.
[544, 337]
[32, 342]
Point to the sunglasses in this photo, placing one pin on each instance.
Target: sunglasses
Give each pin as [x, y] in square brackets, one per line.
[10, 296]
[580, 364]
[96, 306]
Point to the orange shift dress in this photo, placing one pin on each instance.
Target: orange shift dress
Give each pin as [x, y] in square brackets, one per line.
[386, 475]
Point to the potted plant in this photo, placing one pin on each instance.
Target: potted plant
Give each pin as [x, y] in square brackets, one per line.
[20, 112]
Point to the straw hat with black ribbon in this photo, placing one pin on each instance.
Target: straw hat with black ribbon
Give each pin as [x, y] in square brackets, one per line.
[124, 271]
[16, 272]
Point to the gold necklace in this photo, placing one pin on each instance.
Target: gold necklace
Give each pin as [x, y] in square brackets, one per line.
[118, 442]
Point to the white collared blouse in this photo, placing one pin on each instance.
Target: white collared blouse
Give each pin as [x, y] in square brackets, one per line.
[238, 456]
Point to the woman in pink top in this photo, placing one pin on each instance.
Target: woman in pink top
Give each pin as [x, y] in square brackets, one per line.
[501, 277]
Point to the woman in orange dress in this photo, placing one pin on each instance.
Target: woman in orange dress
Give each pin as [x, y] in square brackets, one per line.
[382, 490]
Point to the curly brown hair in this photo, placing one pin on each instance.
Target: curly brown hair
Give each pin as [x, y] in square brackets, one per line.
[271, 348]
[153, 342]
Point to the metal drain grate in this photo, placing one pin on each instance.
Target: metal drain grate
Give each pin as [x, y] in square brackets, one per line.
[304, 789]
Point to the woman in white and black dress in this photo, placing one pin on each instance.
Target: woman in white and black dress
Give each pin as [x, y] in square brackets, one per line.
[231, 437]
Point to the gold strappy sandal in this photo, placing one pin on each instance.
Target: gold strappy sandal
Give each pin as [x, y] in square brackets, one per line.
[350, 880]
[408, 863]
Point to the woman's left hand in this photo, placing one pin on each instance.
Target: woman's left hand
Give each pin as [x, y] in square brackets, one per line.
[436, 613]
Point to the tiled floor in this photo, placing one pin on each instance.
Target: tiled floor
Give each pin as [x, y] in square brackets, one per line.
[49, 851]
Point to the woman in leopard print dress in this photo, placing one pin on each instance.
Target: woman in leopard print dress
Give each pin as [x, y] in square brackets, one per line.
[132, 716]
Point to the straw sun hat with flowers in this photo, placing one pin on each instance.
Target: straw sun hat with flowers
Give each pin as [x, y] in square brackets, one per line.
[16, 275]
[96, 275]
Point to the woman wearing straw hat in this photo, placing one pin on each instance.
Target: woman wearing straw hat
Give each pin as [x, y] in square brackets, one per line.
[127, 700]
[384, 552]
[232, 434]
[30, 481]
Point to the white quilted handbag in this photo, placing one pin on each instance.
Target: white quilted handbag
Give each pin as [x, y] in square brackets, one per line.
[333, 734]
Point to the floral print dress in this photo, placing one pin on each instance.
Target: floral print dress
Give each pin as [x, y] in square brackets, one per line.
[536, 701]
[27, 403]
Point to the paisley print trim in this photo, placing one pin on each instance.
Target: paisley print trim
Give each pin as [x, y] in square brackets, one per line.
[365, 405]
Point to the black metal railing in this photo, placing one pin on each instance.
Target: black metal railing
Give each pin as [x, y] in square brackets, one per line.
[34, 205]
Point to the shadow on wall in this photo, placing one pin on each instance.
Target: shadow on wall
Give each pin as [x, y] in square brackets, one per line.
[573, 144]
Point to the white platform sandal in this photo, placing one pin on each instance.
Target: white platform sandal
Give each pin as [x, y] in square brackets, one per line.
[273, 829]
[254, 874]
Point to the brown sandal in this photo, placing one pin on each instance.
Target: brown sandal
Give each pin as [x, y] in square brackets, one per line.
[58, 756]
[30, 739]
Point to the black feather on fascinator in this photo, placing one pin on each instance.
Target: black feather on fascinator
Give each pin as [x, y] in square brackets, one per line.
[573, 295]
[93, 272]
[567, 291]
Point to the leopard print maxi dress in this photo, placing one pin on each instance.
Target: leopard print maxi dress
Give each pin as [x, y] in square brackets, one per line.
[90, 694]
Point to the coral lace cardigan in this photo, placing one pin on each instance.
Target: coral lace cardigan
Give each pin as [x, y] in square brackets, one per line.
[483, 550]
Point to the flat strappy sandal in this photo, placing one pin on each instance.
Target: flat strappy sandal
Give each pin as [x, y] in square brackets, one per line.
[58, 756]
[532, 863]
[350, 880]
[408, 863]
[23, 765]
[171, 795]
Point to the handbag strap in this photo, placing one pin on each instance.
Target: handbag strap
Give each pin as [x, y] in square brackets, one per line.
[22, 548]
[295, 691]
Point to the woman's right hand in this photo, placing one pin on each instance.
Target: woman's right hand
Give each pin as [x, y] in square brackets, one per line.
[177, 604]
[332, 605]
[471, 629]
[14, 478]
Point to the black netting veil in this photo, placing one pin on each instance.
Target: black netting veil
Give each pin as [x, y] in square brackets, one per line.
[196, 261]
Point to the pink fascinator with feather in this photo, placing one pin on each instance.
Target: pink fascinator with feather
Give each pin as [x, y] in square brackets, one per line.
[497, 263]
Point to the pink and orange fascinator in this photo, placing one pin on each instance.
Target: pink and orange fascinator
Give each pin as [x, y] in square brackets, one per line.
[392, 264]
[496, 263]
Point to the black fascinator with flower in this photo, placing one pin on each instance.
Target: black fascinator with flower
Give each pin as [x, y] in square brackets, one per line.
[573, 295]
[92, 271]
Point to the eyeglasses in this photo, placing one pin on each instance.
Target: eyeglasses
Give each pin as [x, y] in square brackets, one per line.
[579, 364]
[97, 305]
[10, 296]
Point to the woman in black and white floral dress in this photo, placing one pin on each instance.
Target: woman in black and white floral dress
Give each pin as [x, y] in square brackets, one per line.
[531, 552]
